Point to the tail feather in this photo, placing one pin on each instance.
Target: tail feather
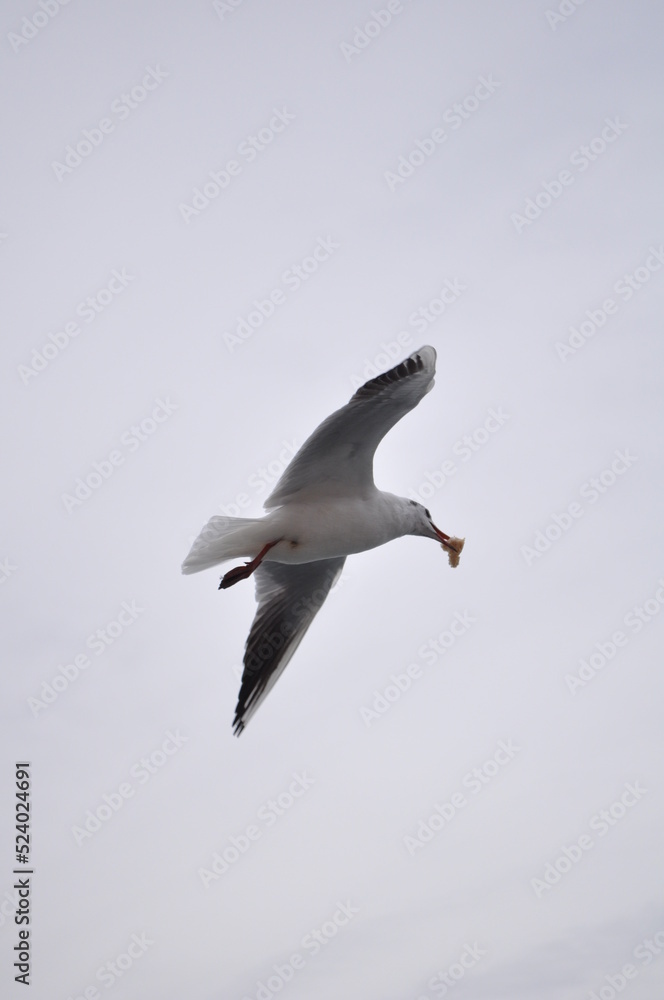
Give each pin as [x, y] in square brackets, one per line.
[223, 538]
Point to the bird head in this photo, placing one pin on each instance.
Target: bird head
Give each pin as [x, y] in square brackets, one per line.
[422, 524]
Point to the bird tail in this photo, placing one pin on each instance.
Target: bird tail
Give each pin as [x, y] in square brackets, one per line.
[224, 538]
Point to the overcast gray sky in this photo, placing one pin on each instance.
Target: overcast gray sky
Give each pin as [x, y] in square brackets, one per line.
[218, 220]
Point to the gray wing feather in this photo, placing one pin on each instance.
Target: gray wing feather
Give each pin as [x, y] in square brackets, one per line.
[289, 597]
[337, 459]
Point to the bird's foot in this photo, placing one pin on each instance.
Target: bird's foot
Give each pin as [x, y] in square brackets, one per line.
[235, 575]
[242, 572]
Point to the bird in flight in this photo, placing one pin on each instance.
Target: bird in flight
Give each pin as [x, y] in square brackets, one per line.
[324, 507]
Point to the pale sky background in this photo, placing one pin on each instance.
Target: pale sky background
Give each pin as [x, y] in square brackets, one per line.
[535, 90]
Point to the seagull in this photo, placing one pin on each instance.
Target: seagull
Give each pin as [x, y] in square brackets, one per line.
[324, 507]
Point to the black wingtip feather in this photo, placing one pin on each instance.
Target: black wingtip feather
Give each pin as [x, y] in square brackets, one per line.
[410, 366]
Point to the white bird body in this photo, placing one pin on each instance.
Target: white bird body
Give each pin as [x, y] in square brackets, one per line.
[310, 531]
[324, 508]
[338, 527]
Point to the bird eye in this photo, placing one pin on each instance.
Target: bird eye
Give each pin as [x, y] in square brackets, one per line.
[427, 512]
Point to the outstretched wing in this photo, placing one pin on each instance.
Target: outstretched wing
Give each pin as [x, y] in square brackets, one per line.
[288, 598]
[337, 459]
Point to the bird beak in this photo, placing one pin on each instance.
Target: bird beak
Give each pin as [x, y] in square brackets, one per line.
[441, 534]
[452, 546]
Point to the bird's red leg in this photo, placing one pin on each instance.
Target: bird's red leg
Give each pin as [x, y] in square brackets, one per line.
[242, 572]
